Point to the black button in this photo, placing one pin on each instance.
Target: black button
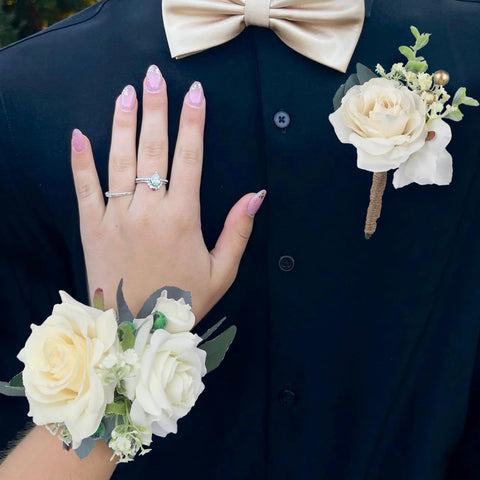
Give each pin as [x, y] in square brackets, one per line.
[286, 397]
[286, 263]
[281, 119]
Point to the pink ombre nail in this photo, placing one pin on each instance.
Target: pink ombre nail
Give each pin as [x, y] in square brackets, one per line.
[154, 80]
[256, 202]
[78, 141]
[127, 99]
[195, 95]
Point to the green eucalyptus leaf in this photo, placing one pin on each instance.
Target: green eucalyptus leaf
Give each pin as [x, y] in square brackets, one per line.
[364, 74]
[217, 348]
[352, 80]
[85, 447]
[126, 335]
[459, 96]
[115, 409]
[471, 102]
[337, 98]
[422, 41]
[10, 391]
[124, 313]
[415, 31]
[455, 115]
[407, 52]
[17, 380]
[211, 330]
[416, 67]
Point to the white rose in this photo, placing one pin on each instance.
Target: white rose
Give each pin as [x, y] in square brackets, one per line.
[432, 164]
[384, 120]
[169, 381]
[60, 357]
[179, 315]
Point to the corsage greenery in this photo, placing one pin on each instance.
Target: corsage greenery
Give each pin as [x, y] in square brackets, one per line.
[396, 122]
[96, 375]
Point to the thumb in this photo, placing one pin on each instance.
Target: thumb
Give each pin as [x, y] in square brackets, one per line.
[232, 241]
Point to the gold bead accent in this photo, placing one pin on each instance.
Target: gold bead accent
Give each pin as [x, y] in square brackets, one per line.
[428, 96]
[441, 77]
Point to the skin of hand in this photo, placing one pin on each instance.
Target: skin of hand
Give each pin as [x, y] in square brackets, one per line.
[40, 456]
[153, 239]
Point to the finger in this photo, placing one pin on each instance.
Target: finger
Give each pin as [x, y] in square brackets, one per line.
[122, 161]
[153, 143]
[91, 205]
[232, 241]
[184, 184]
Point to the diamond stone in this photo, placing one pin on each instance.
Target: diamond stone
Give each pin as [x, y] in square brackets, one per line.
[155, 181]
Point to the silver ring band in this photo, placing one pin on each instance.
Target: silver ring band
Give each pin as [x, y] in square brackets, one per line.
[117, 194]
[154, 182]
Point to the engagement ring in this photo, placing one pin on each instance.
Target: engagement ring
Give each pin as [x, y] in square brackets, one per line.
[154, 182]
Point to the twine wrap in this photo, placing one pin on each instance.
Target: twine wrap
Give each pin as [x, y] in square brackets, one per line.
[379, 181]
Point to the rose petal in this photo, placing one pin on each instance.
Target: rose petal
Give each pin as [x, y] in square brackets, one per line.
[444, 172]
[373, 163]
[341, 129]
[432, 164]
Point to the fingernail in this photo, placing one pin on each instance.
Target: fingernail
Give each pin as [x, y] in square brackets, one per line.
[154, 79]
[78, 141]
[195, 95]
[256, 202]
[127, 99]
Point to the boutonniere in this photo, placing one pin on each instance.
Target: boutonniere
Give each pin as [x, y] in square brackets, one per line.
[396, 121]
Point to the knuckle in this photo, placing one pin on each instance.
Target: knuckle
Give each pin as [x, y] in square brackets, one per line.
[144, 221]
[155, 103]
[124, 120]
[121, 163]
[243, 232]
[84, 191]
[184, 220]
[153, 149]
[189, 155]
[193, 116]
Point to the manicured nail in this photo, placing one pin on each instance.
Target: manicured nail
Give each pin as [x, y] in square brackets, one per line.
[78, 141]
[195, 95]
[154, 79]
[256, 202]
[127, 99]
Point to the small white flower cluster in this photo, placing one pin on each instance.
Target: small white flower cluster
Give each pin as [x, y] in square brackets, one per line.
[115, 367]
[126, 442]
[433, 95]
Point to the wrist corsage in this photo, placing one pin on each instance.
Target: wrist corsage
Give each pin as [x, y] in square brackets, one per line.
[396, 122]
[94, 375]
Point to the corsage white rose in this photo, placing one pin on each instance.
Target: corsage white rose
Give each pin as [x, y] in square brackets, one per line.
[60, 357]
[384, 120]
[169, 382]
[178, 314]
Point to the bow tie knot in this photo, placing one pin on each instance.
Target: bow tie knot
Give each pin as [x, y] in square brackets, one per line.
[326, 31]
[257, 12]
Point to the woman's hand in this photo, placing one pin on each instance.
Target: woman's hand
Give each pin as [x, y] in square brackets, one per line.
[152, 238]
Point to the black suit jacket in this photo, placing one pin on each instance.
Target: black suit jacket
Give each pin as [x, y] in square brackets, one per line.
[354, 360]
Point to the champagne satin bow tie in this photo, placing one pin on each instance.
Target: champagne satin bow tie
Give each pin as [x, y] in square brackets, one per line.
[326, 31]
